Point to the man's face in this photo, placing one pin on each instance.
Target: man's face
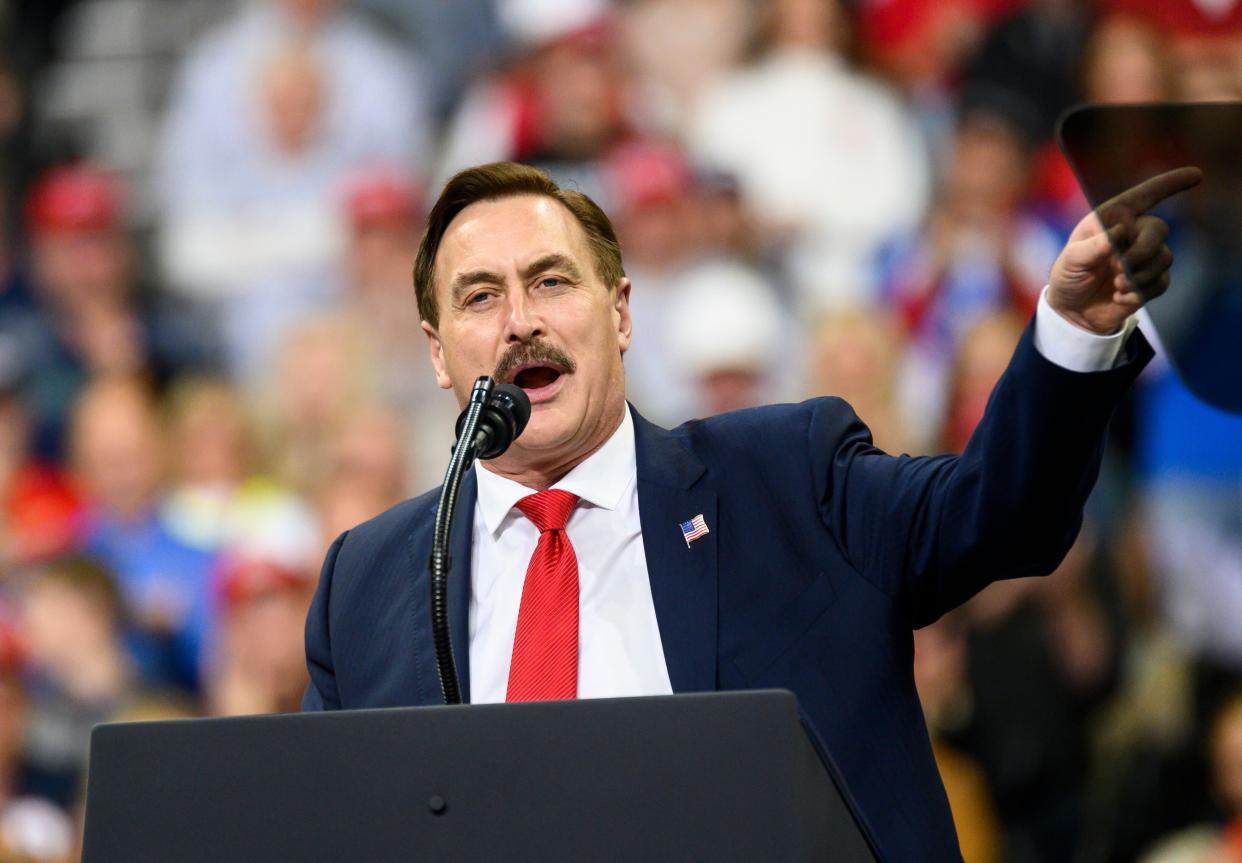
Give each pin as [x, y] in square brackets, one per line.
[519, 298]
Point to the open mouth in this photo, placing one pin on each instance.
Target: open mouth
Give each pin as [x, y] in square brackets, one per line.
[536, 377]
[540, 381]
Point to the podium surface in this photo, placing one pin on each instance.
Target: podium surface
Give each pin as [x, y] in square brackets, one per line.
[712, 776]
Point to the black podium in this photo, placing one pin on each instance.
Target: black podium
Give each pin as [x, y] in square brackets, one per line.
[716, 776]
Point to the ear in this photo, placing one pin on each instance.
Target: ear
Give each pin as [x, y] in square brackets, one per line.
[437, 357]
[621, 311]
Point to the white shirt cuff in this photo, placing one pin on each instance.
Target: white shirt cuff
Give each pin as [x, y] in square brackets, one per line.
[1070, 346]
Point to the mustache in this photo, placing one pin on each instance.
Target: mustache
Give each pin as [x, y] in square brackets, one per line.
[534, 351]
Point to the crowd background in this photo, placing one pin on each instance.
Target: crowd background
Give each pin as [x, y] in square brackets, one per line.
[211, 365]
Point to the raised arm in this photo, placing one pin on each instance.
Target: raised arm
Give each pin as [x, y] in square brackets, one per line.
[934, 531]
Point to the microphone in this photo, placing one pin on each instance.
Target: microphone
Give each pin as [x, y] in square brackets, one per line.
[504, 415]
[492, 420]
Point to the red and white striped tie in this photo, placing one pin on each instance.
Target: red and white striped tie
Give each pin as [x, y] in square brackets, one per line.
[545, 647]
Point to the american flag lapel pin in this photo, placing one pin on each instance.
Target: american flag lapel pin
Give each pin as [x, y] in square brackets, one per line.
[694, 528]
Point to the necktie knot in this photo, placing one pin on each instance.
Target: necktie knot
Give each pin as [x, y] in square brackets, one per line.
[548, 509]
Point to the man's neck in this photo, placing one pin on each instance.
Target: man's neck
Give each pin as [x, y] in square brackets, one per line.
[540, 474]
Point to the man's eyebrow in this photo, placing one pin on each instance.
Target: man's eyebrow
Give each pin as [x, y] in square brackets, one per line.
[553, 261]
[464, 281]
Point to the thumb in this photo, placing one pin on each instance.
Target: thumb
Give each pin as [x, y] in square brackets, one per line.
[1095, 250]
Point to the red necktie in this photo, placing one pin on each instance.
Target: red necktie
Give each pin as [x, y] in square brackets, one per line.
[545, 647]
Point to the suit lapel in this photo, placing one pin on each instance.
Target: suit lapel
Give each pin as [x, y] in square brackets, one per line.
[671, 490]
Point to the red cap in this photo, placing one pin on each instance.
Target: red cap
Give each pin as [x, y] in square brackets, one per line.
[644, 173]
[44, 514]
[380, 197]
[74, 198]
[242, 579]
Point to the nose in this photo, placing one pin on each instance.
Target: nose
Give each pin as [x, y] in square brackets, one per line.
[523, 323]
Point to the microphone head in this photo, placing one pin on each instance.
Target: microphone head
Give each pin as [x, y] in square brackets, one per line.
[516, 400]
[503, 419]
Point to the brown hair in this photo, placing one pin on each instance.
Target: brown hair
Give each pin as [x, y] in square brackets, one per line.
[503, 180]
[86, 577]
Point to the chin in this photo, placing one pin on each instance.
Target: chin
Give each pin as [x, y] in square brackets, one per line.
[543, 435]
[550, 426]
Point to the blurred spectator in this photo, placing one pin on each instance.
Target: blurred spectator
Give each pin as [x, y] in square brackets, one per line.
[259, 666]
[385, 222]
[981, 359]
[91, 320]
[1150, 775]
[940, 677]
[261, 586]
[1040, 658]
[119, 459]
[1027, 69]
[78, 673]
[1200, 43]
[671, 72]
[1189, 471]
[560, 105]
[369, 471]
[1126, 61]
[855, 354]
[39, 510]
[726, 223]
[370, 455]
[32, 829]
[651, 186]
[829, 158]
[1212, 842]
[732, 341]
[456, 41]
[344, 505]
[980, 252]
[924, 43]
[325, 372]
[251, 223]
[215, 482]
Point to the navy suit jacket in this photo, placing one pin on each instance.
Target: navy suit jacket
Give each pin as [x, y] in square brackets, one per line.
[824, 554]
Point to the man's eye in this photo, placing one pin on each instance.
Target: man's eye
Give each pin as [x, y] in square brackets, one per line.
[475, 299]
[550, 282]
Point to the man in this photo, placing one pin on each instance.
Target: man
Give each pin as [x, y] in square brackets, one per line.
[810, 555]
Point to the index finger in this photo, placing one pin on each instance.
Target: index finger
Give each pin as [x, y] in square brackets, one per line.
[1144, 196]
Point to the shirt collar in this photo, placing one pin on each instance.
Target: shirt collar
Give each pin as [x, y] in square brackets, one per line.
[600, 480]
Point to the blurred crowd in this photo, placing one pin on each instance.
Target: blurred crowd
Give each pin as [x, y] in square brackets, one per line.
[211, 364]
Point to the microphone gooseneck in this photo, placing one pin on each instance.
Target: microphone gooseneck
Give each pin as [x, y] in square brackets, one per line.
[493, 419]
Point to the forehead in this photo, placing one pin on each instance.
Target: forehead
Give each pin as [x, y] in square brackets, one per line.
[503, 235]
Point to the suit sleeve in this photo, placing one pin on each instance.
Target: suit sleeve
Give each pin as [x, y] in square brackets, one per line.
[321, 692]
[933, 531]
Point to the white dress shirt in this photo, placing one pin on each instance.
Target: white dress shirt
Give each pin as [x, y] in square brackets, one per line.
[619, 647]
